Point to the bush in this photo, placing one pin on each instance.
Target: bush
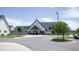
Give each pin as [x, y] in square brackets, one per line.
[48, 34]
[60, 40]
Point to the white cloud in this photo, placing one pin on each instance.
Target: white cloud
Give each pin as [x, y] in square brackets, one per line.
[15, 22]
[47, 20]
[70, 16]
[72, 12]
[20, 22]
[72, 24]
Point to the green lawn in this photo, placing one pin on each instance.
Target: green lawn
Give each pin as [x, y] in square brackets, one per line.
[10, 36]
[66, 38]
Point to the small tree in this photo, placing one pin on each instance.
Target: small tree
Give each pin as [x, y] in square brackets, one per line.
[61, 28]
[77, 30]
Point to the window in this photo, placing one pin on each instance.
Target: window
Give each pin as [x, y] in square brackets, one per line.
[24, 27]
[50, 27]
[5, 31]
[19, 29]
[2, 34]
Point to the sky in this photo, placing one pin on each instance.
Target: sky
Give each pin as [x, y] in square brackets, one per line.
[24, 16]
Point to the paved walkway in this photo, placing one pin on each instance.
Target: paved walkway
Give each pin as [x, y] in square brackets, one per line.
[43, 43]
[7, 46]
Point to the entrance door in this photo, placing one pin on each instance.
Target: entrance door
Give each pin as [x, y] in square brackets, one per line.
[35, 30]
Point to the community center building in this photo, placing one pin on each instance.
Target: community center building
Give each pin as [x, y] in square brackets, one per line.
[35, 28]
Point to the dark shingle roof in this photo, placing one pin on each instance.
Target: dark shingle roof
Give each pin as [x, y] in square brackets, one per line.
[23, 28]
[47, 25]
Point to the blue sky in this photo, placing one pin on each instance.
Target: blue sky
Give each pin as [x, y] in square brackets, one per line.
[20, 16]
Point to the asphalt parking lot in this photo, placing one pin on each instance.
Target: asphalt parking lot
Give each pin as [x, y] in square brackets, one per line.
[44, 43]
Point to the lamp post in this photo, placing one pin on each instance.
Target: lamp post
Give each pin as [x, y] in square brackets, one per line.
[57, 16]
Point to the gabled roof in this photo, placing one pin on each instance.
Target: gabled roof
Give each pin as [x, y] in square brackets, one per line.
[45, 25]
[2, 17]
[48, 24]
[24, 28]
[35, 22]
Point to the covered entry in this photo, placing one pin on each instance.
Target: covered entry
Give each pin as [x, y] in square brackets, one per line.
[36, 28]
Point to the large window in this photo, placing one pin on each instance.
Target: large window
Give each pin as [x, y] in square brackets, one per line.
[5, 31]
[2, 34]
[50, 27]
[19, 29]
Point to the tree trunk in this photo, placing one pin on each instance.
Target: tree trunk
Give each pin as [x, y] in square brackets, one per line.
[63, 36]
[58, 35]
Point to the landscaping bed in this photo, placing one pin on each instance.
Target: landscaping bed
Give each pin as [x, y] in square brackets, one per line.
[60, 39]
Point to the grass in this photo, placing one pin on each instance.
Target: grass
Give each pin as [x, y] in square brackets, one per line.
[60, 39]
[10, 36]
[68, 37]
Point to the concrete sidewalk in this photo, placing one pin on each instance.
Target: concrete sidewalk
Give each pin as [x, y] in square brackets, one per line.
[7, 46]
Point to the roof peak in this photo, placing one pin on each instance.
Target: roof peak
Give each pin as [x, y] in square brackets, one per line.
[2, 16]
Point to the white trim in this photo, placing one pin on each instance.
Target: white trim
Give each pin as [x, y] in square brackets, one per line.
[36, 23]
[4, 26]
